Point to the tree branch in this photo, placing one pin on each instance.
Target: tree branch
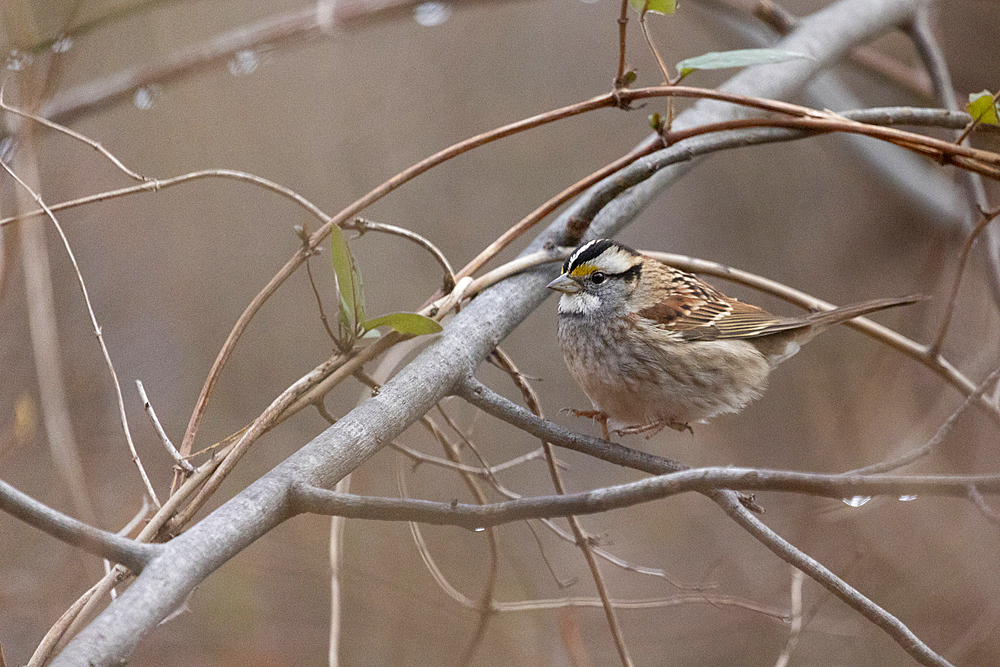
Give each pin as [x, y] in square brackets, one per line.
[306, 498]
[115, 548]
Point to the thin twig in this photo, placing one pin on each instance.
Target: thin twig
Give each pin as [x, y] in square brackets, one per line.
[160, 184]
[937, 438]
[490, 471]
[47, 646]
[622, 24]
[795, 625]
[75, 135]
[485, 606]
[362, 225]
[337, 526]
[530, 220]
[342, 345]
[963, 258]
[486, 470]
[97, 330]
[932, 56]
[425, 554]
[977, 499]
[158, 427]
[652, 47]
[651, 603]
[46, 348]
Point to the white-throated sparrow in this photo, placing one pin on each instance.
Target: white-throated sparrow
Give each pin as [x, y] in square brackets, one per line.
[653, 346]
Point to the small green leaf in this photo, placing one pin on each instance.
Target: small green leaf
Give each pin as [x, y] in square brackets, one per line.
[344, 320]
[982, 108]
[410, 324]
[655, 6]
[626, 79]
[738, 58]
[348, 281]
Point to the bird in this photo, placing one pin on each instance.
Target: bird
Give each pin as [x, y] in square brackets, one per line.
[653, 347]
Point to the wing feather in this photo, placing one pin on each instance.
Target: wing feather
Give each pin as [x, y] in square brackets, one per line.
[694, 310]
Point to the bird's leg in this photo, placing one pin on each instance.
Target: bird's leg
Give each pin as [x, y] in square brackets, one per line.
[596, 415]
[652, 428]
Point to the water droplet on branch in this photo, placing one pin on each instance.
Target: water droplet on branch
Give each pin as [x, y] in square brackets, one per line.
[431, 13]
[17, 60]
[143, 97]
[244, 62]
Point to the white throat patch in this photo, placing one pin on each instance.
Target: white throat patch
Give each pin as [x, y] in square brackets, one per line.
[580, 302]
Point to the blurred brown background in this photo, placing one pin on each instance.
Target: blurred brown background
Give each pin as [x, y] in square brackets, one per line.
[170, 273]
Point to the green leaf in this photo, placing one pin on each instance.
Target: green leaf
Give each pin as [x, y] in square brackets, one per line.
[982, 108]
[410, 324]
[738, 58]
[343, 317]
[626, 79]
[348, 282]
[655, 6]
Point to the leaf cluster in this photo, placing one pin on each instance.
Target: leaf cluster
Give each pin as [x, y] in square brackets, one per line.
[352, 319]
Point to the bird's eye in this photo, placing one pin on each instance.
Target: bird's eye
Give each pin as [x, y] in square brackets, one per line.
[597, 277]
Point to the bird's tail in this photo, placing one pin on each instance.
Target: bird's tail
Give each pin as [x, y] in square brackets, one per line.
[828, 318]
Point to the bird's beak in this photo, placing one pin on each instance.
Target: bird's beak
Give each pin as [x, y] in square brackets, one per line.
[565, 284]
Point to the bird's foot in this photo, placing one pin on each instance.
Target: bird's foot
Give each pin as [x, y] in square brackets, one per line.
[596, 415]
[652, 428]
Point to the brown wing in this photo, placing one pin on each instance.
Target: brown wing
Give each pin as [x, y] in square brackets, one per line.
[746, 321]
[691, 309]
[694, 310]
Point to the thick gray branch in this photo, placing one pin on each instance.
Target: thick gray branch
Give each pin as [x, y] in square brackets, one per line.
[469, 337]
[115, 548]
